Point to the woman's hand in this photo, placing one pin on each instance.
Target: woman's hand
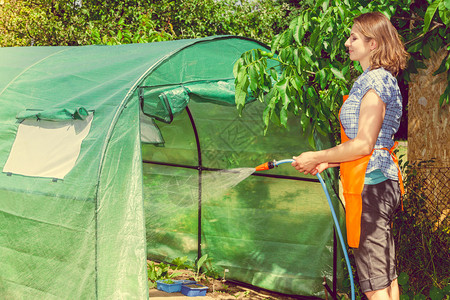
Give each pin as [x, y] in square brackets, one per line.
[321, 167]
[318, 169]
[306, 163]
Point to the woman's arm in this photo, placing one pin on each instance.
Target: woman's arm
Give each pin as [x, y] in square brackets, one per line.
[323, 166]
[371, 118]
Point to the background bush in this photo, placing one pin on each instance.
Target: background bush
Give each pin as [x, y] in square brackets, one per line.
[85, 22]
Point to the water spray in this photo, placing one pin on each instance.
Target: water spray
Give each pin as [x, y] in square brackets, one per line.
[272, 164]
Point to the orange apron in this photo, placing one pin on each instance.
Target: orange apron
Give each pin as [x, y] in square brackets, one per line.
[352, 177]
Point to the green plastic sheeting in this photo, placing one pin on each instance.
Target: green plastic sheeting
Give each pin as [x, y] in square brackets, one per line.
[144, 179]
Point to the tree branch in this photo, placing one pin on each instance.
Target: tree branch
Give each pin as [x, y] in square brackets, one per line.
[408, 19]
[424, 33]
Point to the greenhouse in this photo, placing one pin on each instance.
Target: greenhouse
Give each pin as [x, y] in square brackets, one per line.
[112, 155]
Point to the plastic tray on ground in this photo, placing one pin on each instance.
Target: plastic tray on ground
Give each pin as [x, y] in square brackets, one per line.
[193, 290]
[167, 286]
[185, 282]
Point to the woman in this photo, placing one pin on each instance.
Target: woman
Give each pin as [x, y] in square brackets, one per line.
[369, 172]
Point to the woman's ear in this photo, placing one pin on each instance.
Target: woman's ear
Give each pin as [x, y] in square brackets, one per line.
[373, 44]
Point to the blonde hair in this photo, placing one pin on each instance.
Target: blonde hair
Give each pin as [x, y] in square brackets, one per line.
[390, 52]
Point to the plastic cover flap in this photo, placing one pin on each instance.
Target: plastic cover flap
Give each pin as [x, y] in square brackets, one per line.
[57, 114]
[219, 92]
[162, 103]
[177, 100]
[165, 103]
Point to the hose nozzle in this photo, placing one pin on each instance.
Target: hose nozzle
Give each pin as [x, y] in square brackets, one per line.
[266, 166]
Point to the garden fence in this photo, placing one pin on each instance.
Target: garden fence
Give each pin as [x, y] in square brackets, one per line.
[431, 183]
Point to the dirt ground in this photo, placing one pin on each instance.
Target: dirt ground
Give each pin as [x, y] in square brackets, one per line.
[223, 289]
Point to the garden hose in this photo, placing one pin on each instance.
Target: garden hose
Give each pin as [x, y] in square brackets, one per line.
[271, 165]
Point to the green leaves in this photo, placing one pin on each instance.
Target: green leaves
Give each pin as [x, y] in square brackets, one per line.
[309, 56]
[241, 89]
[58, 22]
[435, 293]
[242, 83]
[299, 29]
[435, 38]
[431, 10]
[445, 97]
[403, 279]
[282, 88]
[337, 73]
[311, 75]
[313, 69]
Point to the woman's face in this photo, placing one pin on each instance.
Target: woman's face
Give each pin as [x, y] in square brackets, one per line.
[358, 48]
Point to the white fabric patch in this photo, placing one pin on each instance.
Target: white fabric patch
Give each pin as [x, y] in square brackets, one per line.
[47, 148]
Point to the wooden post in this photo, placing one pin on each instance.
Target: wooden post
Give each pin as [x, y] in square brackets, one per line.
[429, 138]
[428, 124]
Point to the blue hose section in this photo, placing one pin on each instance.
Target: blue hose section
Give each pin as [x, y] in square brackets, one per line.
[336, 225]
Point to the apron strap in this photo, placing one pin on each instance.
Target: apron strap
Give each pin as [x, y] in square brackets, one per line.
[395, 159]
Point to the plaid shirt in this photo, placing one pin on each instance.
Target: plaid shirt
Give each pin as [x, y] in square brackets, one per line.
[385, 85]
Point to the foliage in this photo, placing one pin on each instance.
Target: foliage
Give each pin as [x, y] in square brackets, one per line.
[312, 71]
[42, 22]
[159, 272]
[24, 23]
[312, 74]
[198, 266]
[427, 30]
[435, 293]
[163, 271]
[168, 281]
[181, 262]
[422, 246]
[255, 19]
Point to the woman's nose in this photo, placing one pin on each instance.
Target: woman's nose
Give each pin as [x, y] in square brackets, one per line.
[347, 43]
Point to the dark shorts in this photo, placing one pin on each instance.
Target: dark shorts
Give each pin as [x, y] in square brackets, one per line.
[375, 257]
